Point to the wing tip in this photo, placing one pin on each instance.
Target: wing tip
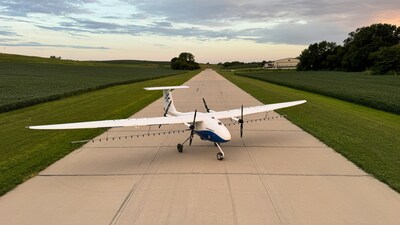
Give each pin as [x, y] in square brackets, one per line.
[165, 88]
[33, 127]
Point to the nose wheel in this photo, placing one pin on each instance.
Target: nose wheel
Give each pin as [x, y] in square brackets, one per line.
[220, 154]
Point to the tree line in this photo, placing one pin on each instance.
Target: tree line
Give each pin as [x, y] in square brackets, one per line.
[375, 48]
[185, 61]
[238, 64]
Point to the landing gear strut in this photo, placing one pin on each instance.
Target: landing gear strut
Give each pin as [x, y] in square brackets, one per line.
[180, 146]
[220, 154]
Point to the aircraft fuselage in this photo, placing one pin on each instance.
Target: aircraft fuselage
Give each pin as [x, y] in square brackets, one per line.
[213, 130]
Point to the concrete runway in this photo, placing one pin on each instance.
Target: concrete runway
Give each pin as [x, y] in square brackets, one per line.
[276, 174]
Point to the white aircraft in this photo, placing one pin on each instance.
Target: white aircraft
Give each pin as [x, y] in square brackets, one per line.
[206, 125]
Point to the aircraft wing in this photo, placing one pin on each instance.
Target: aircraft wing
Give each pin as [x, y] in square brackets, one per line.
[136, 122]
[253, 110]
[120, 123]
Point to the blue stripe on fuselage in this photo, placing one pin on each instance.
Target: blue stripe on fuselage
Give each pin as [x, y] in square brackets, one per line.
[210, 136]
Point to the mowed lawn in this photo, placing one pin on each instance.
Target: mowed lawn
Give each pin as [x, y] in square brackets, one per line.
[24, 152]
[380, 92]
[366, 136]
[30, 80]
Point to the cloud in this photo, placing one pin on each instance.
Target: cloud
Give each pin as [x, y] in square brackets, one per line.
[5, 42]
[199, 11]
[297, 22]
[6, 31]
[94, 27]
[275, 21]
[23, 8]
[157, 28]
[288, 33]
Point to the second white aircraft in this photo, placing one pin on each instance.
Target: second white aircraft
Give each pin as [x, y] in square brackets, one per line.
[206, 125]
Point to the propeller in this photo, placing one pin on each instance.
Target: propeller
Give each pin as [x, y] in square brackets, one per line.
[192, 126]
[205, 105]
[241, 122]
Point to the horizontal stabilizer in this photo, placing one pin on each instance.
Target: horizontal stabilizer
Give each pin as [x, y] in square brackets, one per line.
[165, 88]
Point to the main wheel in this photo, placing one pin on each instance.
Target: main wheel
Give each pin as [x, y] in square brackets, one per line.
[180, 148]
[220, 156]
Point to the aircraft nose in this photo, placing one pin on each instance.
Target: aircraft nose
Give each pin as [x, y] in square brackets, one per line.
[226, 135]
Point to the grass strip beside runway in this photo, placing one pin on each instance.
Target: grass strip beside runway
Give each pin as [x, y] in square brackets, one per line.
[24, 152]
[366, 136]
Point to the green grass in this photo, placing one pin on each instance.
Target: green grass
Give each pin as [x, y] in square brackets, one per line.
[380, 92]
[366, 136]
[30, 80]
[24, 152]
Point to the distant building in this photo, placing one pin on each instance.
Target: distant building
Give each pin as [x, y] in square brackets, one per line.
[287, 63]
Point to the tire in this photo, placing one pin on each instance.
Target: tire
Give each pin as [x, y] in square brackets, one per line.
[180, 148]
[220, 157]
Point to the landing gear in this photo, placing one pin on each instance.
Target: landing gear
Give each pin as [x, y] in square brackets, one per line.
[180, 148]
[220, 154]
[192, 132]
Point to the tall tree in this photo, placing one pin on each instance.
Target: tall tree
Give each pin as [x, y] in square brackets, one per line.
[189, 57]
[319, 56]
[366, 40]
[386, 60]
[185, 61]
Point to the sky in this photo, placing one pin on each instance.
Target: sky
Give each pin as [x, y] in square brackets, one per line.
[213, 31]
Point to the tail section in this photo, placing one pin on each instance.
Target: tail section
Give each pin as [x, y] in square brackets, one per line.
[168, 103]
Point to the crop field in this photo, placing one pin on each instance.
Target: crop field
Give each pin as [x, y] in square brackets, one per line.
[24, 152]
[366, 136]
[30, 80]
[140, 63]
[379, 92]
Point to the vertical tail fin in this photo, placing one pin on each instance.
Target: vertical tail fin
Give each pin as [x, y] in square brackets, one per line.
[168, 103]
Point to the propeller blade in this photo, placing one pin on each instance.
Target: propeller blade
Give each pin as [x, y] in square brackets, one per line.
[241, 130]
[241, 114]
[191, 139]
[241, 122]
[205, 105]
[192, 127]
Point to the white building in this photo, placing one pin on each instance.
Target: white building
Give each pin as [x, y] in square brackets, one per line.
[287, 63]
